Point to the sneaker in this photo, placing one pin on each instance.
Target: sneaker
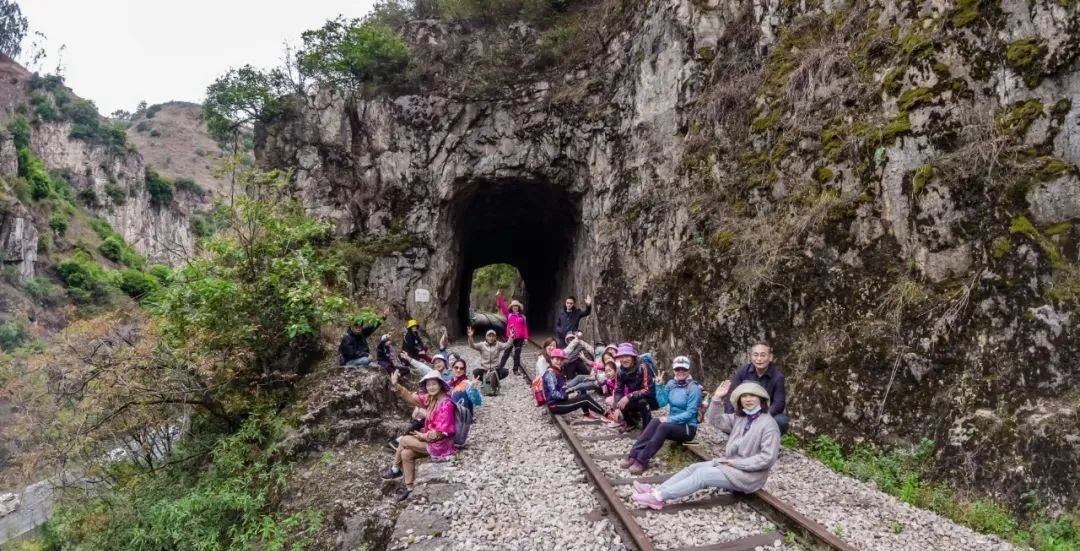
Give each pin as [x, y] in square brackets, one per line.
[648, 501]
[626, 463]
[392, 472]
[593, 415]
[642, 488]
[404, 494]
[636, 468]
[394, 443]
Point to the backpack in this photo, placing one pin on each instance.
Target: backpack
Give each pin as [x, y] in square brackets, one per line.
[490, 384]
[538, 391]
[650, 374]
[463, 419]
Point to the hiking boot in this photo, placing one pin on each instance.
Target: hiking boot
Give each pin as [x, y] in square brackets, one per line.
[636, 468]
[642, 488]
[392, 472]
[404, 494]
[626, 463]
[648, 501]
[394, 443]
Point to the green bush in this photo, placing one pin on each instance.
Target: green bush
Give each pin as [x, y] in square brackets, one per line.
[190, 186]
[137, 284]
[12, 335]
[161, 272]
[89, 198]
[20, 131]
[117, 194]
[86, 280]
[201, 225]
[59, 224]
[353, 53]
[44, 291]
[31, 168]
[153, 110]
[160, 189]
[116, 249]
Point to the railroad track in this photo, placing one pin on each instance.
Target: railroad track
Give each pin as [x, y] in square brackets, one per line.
[789, 526]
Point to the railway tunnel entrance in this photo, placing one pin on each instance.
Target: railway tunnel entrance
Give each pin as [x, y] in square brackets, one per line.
[528, 224]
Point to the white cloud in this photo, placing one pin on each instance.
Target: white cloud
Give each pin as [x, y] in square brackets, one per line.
[122, 51]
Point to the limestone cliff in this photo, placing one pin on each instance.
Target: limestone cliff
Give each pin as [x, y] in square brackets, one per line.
[887, 191]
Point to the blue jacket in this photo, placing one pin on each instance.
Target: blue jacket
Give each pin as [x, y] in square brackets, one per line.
[684, 401]
[554, 385]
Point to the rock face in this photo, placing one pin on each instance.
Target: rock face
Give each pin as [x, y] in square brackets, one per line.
[18, 238]
[885, 192]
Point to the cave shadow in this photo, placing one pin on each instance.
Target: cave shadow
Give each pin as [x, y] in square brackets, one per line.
[529, 224]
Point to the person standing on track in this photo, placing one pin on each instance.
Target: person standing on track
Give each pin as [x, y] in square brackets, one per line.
[763, 371]
[635, 391]
[558, 402]
[517, 330]
[684, 397]
[567, 319]
[436, 439]
[753, 446]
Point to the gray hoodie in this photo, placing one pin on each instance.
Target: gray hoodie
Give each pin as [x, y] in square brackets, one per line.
[753, 449]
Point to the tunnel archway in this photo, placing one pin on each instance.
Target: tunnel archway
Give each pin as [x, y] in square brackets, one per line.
[526, 223]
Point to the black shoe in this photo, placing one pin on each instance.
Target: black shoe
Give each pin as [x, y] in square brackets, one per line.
[393, 443]
[404, 494]
[390, 473]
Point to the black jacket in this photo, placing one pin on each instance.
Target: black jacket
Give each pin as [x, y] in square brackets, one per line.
[568, 321]
[355, 345]
[413, 344]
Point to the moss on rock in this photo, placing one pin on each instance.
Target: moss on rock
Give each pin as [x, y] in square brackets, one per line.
[1025, 56]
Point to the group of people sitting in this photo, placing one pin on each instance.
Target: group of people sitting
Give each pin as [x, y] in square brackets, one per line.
[613, 384]
[623, 388]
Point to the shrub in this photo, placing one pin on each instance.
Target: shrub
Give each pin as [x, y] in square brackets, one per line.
[155, 133]
[153, 110]
[160, 189]
[143, 126]
[20, 131]
[116, 249]
[31, 168]
[190, 186]
[201, 225]
[137, 284]
[117, 194]
[44, 291]
[102, 228]
[354, 54]
[161, 272]
[86, 280]
[89, 198]
[12, 335]
[59, 224]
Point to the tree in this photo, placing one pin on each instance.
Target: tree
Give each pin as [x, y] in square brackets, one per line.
[13, 28]
[239, 98]
[352, 54]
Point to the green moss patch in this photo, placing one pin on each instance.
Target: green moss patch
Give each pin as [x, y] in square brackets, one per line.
[823, 175]
[968, 12]
[920, 177]
[1015, 121]
[1000, 247]
[915, 98]
[1025, 56]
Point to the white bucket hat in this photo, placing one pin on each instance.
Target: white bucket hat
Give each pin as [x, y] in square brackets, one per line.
[748, 388]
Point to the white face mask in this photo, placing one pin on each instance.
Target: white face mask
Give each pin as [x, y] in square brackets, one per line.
[752, 411]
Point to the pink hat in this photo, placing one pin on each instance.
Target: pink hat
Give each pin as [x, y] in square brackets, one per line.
[558, 353]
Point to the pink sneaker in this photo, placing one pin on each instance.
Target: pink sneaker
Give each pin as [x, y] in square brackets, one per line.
[642, 488]
[648, 501]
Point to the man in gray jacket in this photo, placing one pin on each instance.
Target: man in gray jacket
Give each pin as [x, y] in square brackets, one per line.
[491, 351]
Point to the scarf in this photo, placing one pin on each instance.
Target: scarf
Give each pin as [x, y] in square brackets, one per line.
[750, 419]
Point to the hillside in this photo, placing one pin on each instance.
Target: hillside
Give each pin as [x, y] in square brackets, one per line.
[171, 138]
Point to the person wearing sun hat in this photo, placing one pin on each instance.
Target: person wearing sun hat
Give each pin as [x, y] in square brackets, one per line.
[752, 448]
[684, 396]
[435, 439]
[635, 390]
[414, 343]
[517, 329]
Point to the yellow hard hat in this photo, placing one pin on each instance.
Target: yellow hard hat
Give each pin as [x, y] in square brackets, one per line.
[411, 324]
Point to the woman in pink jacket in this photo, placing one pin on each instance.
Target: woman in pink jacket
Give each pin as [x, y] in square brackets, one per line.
[436, 439]
[517, 330]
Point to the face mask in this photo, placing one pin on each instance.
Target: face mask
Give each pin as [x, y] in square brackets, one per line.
[752, 411]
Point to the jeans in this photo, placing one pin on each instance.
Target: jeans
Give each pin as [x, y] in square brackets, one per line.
[694, 478]
[654, 435]
[584, 386]
[359, 362]
[577, 380]
[516, 349]
[783, 421]
[583, 402]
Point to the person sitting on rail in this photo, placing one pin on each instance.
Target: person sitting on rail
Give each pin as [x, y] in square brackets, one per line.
[414, 342]
[763, 371]
[578, 356]
[543, 360]
[354, 350]
[568, 318]
[593, 381]
[752, 448]
[517, 330]
[558, 401]
[684, 396]
[635, 391]
[460, 384]
[491, 351]
[435, 439]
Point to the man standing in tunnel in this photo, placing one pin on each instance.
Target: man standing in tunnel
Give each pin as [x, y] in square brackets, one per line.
[568, 318]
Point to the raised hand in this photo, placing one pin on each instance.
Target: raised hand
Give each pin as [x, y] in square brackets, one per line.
[722, 390]
[394, 376]
[498, 292]
[469, 331]
[588, 300]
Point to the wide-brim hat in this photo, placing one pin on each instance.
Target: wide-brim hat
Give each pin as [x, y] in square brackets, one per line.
[521, 307]
[626, 349]
[436, 376]
[751, 388]
[491, 333]
[411, 323]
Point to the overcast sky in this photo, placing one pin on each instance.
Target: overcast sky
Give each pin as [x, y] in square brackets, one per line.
[122, 51]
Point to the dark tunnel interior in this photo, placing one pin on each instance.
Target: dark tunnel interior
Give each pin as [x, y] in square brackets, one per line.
[528, 224]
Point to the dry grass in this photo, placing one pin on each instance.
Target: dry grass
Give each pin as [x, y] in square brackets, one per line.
[980, 146]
